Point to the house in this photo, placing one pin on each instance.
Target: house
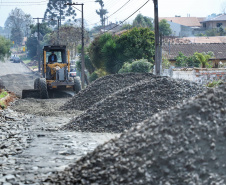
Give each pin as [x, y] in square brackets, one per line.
[215, 22]
[184, 26]
[172, 51]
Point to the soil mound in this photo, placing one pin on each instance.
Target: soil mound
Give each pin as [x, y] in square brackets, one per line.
[133, 104]
[103, 87]
[184, 145]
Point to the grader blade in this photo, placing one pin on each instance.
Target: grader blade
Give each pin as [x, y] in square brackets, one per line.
[30, 93]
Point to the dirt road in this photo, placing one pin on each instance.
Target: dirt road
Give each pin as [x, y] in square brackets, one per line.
[32, 142]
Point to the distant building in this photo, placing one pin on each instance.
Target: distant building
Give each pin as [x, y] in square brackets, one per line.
[215, 22]
[184, 26]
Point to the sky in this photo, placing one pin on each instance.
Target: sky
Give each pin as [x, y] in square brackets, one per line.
[119, 10]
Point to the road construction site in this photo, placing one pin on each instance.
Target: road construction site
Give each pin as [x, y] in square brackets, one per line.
[121, 129]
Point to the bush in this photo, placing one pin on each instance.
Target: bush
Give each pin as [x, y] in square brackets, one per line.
[139, 66]
[93, 76]
[214, 83]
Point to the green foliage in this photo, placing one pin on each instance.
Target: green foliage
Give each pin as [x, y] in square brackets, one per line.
[32, 44]
[43, 29]
[3, 94]
[126, 68]
[4, 48]
[143, 21]
[214, 83]
[136, 44]
[88, 64]
[221, 30]
[181, 60]
[139, 66]
[54, 7]
[16, 36]
[93, 76]
[126, 26]
[211, 32]
[165, 62]
[102, 12]
[200, 35]
[95, 50]
[164, 28]
[203, 59]
[109, 52]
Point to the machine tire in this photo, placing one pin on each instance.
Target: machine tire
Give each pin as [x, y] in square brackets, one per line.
[36, 83]
[77, 84]
[43, 88]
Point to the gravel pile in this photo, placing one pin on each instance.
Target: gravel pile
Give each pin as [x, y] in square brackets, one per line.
[1, 84]
[103, 87]
[133, 104]
[13, 135]
[184, 146]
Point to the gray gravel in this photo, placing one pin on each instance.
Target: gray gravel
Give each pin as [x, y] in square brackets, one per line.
[184, 146]
[102, 87]
[132, 104]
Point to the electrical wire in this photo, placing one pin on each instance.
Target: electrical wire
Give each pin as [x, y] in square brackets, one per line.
[27, 2]
[113, 12]
[126, 18]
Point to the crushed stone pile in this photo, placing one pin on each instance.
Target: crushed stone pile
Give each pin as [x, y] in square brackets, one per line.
[183, 146]
[103, 87]
[133, 104]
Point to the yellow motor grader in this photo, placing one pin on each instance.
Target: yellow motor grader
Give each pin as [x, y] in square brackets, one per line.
[55, 73]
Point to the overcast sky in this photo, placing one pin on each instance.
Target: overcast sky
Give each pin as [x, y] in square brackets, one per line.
[119, 10]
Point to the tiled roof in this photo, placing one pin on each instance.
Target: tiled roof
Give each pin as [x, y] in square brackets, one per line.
[189, 49]
[218, 18]
[186, 40]
[186, 21]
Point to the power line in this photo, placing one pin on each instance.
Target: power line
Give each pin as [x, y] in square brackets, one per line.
[26, 2]
[113, 13]
[126, 18]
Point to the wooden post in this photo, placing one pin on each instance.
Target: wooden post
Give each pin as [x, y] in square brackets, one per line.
[157, 46]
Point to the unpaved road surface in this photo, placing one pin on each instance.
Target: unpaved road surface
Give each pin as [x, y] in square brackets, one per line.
[32, 141]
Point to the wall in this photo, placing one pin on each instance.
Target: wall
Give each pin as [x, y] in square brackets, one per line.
[198, 75]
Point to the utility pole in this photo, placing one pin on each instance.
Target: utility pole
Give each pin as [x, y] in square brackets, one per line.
[38, 49]
[83, 59]
[157, 40]
[60, 12]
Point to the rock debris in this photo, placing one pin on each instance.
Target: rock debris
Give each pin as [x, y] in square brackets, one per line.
[182, 145]
[134, 103]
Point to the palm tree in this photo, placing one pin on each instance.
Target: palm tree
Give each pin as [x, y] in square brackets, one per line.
[202, 58]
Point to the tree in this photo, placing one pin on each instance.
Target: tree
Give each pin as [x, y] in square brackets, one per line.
[56, 9]
[16, 36]
[32, 44]
[181, 60]
[18, 22]
[139, 66]
[102, 12]
[203, 59]
[143, 21]
[69, 36]
[164, 28]
[4, 48]
[43, 29]
[109, 52]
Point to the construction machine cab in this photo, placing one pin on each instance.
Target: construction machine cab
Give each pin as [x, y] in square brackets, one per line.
[55, 73]
[56, 64]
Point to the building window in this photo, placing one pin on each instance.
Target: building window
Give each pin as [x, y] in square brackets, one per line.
[204, 25]
[219, 25]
